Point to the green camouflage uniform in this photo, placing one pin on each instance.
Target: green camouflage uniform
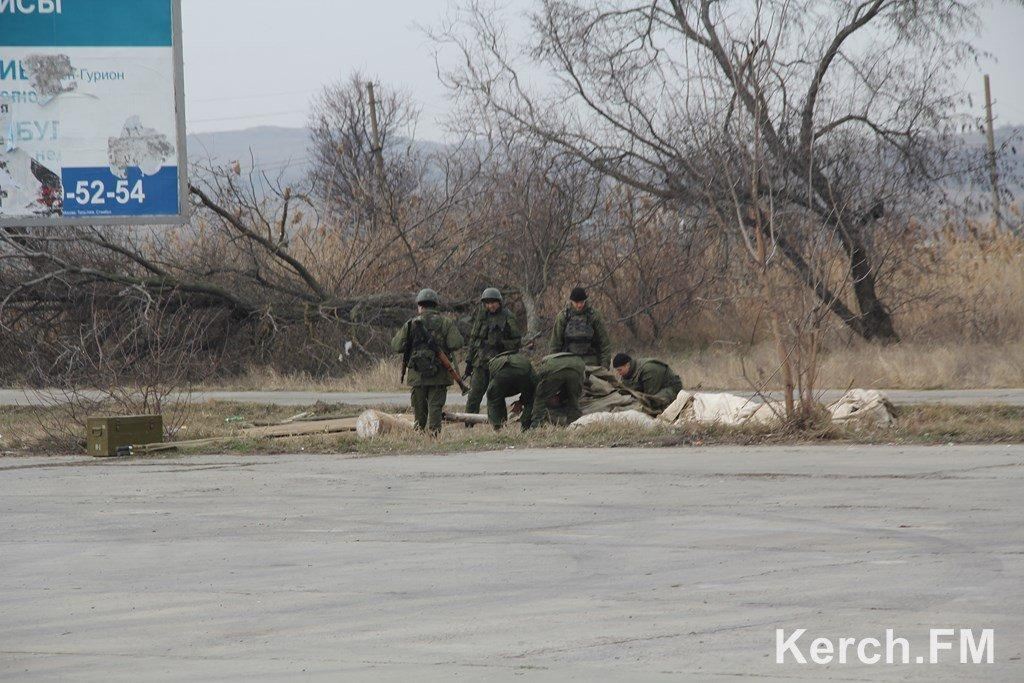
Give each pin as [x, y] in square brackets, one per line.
[491, 334]
[559, 387]
[428, 379]
[655, 379]
[511, 373]
[583, 334]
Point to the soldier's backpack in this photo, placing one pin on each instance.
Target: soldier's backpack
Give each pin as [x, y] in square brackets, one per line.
[579, 334]
[421, 358]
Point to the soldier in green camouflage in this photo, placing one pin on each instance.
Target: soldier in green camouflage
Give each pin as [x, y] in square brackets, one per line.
[427, 377]
[653, 378]
[511, 374]
[581, 330]
[494, 331]
[559, 387]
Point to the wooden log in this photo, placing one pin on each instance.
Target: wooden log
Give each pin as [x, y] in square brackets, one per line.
[375, 423]
[345, 424]
[466, 418]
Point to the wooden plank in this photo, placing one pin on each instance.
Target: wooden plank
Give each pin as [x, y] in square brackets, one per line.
[344, 424]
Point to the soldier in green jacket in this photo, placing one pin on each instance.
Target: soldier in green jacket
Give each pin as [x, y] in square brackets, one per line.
[427, 377]
[580, 329]
[559, 387]
[650, 377]
[494, 331]
[511, 374]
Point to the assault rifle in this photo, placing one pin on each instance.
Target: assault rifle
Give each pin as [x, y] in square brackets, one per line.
[405, 353]
[531, 342]
[418, 334]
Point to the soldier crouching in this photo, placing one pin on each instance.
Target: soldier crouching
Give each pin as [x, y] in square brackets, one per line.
[511, 373]
[650, 377]
[559, 387]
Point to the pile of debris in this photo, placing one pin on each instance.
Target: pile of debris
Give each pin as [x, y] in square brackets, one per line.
[606, 402]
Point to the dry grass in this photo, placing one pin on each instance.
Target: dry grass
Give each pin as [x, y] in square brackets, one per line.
[904, 366]
[919, 424]
[25, 429]
[957, 299]
[910, 365]
[383, 375]
[958, 424]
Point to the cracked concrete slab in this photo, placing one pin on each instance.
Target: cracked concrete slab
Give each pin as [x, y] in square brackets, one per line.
[625, 564]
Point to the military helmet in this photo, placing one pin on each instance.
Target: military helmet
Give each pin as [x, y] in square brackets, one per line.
[427, 296]
[491, 294]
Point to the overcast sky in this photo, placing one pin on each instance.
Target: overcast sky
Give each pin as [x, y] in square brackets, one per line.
[258, 62]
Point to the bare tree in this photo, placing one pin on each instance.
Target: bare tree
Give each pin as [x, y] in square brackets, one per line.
[402, 190]
[300, 269]
[136, 355]
[652, 263]
[823, 82]
[527, 228]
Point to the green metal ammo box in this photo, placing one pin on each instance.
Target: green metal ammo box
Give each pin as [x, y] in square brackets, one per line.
[104, 435]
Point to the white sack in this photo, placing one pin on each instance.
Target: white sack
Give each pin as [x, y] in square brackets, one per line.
[866, 407]
[627, 418]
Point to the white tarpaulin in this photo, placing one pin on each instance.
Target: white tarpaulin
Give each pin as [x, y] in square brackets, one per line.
[860, 407]
[865, 407]
[626, 418]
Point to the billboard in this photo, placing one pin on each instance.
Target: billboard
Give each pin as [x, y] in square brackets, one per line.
[92, 128]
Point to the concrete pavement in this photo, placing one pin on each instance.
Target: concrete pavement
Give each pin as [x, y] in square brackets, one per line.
[627, 564]
[1015, 397]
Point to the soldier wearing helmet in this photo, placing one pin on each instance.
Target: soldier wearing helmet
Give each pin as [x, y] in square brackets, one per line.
[494, 331]
[427, 377]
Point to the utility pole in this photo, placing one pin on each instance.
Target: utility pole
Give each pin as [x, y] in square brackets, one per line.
[992, 171]
[378, 151]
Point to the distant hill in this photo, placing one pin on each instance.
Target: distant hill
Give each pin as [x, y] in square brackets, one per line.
[284, 152]
[276, 150]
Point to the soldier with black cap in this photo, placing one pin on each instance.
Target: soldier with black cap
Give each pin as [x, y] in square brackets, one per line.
[494, 331]
[651, 377]
[579, 329]
[426, 375]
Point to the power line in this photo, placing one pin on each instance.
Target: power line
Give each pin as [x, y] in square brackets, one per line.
[234, 98]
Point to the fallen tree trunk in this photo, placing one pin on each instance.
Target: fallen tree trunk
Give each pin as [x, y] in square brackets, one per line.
[344, 424]
[375, 423]
[466, 418]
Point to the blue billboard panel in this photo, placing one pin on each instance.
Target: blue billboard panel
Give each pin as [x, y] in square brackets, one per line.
[98, 192]
[86, 23]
